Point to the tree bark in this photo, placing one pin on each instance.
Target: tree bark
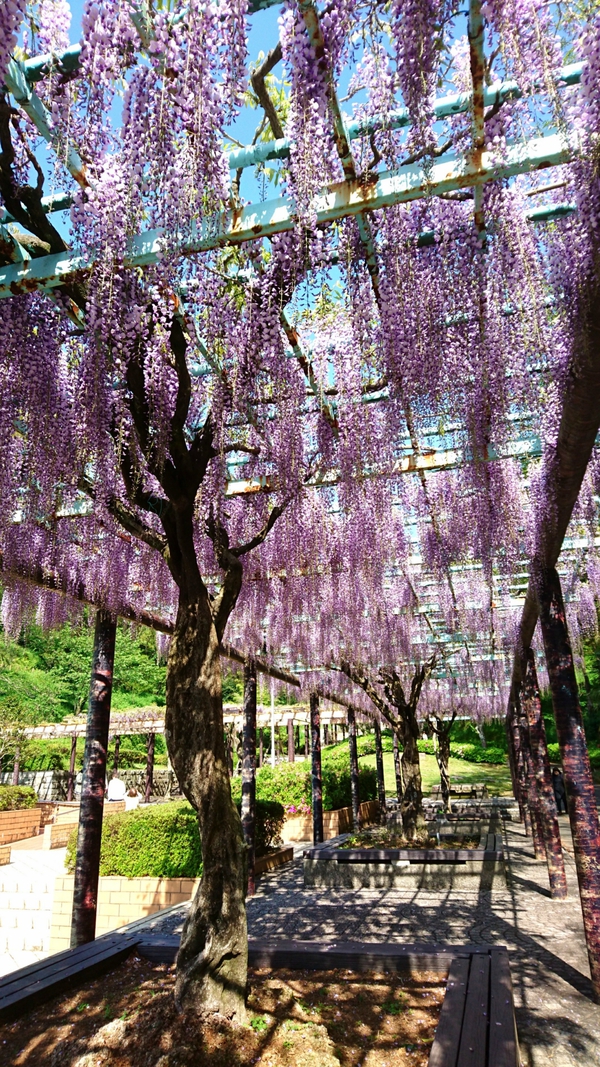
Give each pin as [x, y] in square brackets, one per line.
[149, 768]
[532, 707]
[380, 775]
[89, 836]
[317, 779]
[213, 957]
[71, 778]
[443, 762]
[537, 834]
[249, 770]
[519, 767]
[397, 768]
[579, 783]
[354, 782]
[290, 740]
[411, 808]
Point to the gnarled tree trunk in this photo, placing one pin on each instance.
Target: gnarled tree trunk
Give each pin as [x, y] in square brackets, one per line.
[411, 806]
[213, 957]
[442, 756]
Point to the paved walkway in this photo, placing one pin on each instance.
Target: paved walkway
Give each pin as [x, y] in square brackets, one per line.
[558, 1022]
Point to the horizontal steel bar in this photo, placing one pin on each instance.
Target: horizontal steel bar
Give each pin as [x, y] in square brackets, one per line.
[456, 104]
[444, 107]
[277, 216]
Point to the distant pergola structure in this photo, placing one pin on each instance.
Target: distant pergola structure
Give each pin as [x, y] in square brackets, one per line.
[579, 424]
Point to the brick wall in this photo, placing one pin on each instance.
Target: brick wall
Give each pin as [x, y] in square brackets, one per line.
[300, 828]
[56, 834]
[17, 825]
[120, 901]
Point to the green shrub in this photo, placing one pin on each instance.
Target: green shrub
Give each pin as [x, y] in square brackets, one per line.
[477, 754]
[17, 797]
[270, 817]
[290, 783]
[554, 755]
[426, 745]
[163, 841]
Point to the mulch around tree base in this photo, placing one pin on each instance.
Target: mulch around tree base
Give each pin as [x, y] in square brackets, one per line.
[337, 1018]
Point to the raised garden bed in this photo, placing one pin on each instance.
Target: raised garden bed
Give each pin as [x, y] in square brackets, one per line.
[388, 868]
[310, 1005]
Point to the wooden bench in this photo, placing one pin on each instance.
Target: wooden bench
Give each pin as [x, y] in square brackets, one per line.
[477, 1022]
[478, 790]
[21, 990]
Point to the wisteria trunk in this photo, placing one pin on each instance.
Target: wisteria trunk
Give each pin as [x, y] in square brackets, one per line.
[213, 957]
[411, 808]
[443, 761]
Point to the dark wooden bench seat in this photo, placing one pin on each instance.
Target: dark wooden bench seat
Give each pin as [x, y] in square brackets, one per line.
[477, 1022]
[23, 989]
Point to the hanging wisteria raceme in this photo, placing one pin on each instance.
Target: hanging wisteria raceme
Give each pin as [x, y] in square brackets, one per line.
[418, 30]
[11, 17]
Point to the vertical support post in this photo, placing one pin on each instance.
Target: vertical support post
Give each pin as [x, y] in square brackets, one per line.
[579, 784]
[380, 777]
[117, 753]
[532, 706]
[290, 739]
[89, 837]
[249, 770]
[398, 769]
[149, 767]
[71, 778]
[272, 726]
[317, 778]
[354, 786]
[16, 767]
[306, 741]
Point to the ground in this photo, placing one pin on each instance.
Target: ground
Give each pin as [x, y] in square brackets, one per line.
[128, 1018]
[495, 776]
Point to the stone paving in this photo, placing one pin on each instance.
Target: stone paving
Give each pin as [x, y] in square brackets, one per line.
[557, 1019]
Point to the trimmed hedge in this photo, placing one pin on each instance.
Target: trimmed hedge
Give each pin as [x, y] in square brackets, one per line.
[290, 784]
[17, 797]
[472, 753]
[163, 841]
[554, 755]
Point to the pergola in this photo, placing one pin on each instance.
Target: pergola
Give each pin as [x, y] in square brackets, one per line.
[26, 270]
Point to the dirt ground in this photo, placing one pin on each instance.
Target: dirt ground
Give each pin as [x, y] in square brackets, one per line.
[127, 1018]
[382, 837]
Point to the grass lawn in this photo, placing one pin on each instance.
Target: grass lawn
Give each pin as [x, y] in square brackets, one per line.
[496, 776]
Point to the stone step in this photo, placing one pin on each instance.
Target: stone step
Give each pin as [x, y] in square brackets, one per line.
[18, 901]
[24, 920]
[25, 941]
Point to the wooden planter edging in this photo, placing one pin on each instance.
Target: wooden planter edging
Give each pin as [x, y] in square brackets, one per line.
[477, 1023]
[273, 860]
